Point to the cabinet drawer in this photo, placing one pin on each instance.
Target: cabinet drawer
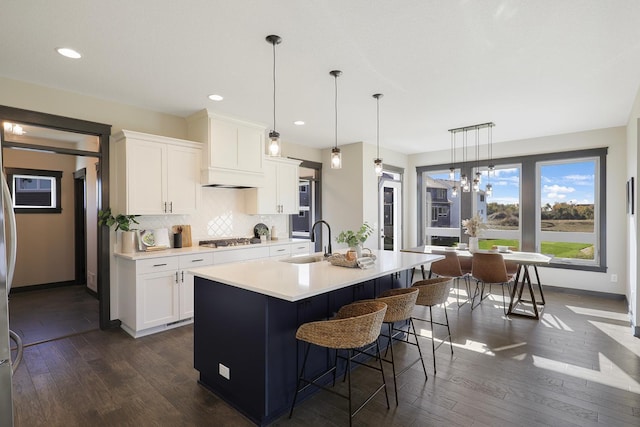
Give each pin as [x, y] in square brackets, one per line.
[223, 257]
[280, 250]
[300, 248]
[196, 260]
[156, 264]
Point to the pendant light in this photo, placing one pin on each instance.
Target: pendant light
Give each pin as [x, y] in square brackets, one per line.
[377, 163]
[336, 155]
[452, 169]
[476, 180]
[489, 187]
[464, 181]
[274, 136]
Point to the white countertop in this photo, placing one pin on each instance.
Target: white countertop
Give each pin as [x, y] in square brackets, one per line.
[294, 282]
[134, 256]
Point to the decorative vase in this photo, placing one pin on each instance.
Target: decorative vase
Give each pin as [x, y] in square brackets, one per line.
[127, 242]
[354, 252]
[473, 244]
[263, 238]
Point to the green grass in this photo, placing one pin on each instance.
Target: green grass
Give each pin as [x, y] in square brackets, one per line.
[557, 249]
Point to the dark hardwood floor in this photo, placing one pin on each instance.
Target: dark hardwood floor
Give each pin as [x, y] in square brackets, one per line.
[578, 366]
[42, 315]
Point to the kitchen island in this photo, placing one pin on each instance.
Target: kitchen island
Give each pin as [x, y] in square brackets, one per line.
[247, 314]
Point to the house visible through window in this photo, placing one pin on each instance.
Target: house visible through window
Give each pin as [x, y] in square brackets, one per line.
[35, 191]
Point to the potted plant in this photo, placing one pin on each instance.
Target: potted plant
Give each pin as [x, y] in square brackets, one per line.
[355, 239]
[121, 222]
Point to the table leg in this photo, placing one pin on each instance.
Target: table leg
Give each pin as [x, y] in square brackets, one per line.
[519, 288]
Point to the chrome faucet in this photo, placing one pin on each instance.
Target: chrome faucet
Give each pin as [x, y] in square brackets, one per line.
[313, 227]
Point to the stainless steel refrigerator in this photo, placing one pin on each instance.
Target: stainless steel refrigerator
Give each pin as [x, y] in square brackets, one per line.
[7, 247]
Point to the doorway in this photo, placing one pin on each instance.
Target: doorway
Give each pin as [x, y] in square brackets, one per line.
[390, 212]
[80, 225]
[81, 127]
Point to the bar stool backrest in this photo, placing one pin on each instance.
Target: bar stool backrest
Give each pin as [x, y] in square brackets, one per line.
[400, 303]
[433, 291]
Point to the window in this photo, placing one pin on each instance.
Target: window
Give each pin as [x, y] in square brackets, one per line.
[440, 207]
[35, 191]
[500, 210]
[566, 215]
[553, 203]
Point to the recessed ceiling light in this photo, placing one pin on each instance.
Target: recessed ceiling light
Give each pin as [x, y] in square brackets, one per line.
[215, 97]
[68, 52]
[298, 123]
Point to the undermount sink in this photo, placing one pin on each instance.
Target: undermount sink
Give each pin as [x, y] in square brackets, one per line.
[304, 259]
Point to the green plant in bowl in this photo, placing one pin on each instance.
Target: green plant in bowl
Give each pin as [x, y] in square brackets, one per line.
[355, 238]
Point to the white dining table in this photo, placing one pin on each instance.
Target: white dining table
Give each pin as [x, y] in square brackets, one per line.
[522, 279]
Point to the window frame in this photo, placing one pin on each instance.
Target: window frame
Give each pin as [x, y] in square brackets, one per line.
[529, 185]
[57, 177]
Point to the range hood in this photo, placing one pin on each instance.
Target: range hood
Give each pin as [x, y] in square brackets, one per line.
[233, 150]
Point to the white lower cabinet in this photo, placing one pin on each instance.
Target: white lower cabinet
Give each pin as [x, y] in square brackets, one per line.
[157, 294]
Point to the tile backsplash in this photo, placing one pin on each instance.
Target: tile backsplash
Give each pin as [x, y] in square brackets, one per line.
[221, 214]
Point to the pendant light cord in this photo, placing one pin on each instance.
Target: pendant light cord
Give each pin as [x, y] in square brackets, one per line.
[378, 126]
[335, 79]
[274, 86]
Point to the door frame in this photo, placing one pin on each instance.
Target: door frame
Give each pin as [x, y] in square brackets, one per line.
[397, 212]
[102, 131]
[80, 225]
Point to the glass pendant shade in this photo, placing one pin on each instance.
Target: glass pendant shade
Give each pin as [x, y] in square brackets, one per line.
[454, 191]
[274, 144]
[463, 180]
[452, 174]
[336, 158]
[377, 166]
[479, 177]
[489, 190]
[476, 185]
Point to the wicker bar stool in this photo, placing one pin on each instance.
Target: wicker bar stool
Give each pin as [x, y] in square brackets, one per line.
[434, 292]
[450, 267]
[400, 304]
[355, 326]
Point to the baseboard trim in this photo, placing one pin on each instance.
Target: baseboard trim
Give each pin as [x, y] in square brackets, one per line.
[585, 292]
[43, 286]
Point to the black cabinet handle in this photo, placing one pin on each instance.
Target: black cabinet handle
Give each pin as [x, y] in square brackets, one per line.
[197, 260]
[159, 265]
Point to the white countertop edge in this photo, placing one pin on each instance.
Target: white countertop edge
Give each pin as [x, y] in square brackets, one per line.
[227, 278]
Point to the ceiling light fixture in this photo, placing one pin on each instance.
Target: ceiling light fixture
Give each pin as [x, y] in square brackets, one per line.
[274, 136]
[336, 155]
[215, 97]
[377, 163]
[298, 123]
[465, 183]
[489, 188]
[68, 53]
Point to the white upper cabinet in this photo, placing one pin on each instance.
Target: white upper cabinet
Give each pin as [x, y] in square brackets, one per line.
[233, 149]
[155, 175]
[279, 195]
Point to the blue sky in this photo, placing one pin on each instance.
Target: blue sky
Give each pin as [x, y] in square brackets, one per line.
[565, 182]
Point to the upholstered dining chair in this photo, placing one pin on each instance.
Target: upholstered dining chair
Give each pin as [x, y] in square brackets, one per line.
[450, 267]
[435, 292]
[490, 269]
[355, 326]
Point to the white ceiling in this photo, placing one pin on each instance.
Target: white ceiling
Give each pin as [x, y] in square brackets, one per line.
[533, 67]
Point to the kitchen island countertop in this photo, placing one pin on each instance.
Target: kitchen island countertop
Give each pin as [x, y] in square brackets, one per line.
[294, 282]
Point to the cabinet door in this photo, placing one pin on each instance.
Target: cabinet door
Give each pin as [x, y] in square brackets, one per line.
[186, 280]
[183, 179]
[158, 299]
[288, 196]
[300, 248]
[268, 195]
[145, 178]
[250, 149]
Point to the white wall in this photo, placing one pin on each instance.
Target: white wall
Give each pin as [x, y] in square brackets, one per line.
[633, 240]
[615, 139]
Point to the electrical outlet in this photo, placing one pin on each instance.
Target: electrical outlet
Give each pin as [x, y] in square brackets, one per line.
[224, 371]
[614, 278]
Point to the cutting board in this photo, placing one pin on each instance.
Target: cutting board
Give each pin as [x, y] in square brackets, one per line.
[186, 234]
